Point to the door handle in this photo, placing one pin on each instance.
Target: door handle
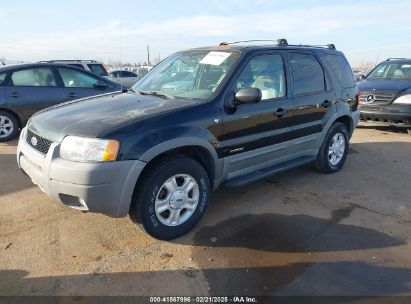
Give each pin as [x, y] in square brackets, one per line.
[280, 112]
[72, 95]
[326, 104]
[14, 95]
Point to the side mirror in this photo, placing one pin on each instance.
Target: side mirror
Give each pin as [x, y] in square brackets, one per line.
[249, 95]
[359, 78]
[101, 84]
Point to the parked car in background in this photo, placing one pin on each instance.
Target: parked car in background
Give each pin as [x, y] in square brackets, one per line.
[251, 112]
[124, 78]
[92, 66]
[359, 75]
[385, 93]
[28, 88]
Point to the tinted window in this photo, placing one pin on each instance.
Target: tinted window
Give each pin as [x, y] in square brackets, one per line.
[265, 72]
[308, 75]
[2, 77]
[77, 65]
[341, 70]
[35, 77]
[115, 74]
[77, 79]
[97, 69]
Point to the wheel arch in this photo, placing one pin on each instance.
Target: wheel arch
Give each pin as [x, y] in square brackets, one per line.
[17, 116]
[195, 148]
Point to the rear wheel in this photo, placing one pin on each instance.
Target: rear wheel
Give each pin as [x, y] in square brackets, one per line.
[9, 126]
[171, 197]
[334, 150]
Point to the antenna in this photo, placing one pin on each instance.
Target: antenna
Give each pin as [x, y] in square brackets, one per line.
[148, 55]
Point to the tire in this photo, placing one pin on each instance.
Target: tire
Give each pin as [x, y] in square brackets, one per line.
[325, 161]
[9, 126]
[157, 186]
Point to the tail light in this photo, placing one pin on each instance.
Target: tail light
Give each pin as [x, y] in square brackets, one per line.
[357, 99]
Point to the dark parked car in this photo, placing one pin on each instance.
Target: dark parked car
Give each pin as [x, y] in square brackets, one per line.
[385, 93]
[251, 112]
[28, 88]
[124, 78]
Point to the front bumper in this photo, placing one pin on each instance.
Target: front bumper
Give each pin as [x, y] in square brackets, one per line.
[96, 187]
[393, 114]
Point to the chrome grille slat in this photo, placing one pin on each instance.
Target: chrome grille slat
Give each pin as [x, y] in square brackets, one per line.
[381, 97]
[43, 144]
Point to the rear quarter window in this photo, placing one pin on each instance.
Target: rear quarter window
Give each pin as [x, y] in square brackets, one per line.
[341, 70]
[308, 75]
[97, 69]
[77, 65]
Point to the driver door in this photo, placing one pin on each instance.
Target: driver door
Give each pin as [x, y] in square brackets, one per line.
[254, 133]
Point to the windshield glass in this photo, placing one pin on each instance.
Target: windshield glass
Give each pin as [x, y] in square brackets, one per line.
[391, 70]
[188, 75]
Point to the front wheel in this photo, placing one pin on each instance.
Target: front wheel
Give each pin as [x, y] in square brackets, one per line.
[334, 150]
[171, 197]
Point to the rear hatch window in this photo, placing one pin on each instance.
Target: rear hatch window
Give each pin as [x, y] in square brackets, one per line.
[98, 69]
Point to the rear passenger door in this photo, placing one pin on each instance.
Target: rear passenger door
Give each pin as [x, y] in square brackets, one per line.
[312, 95]
[79, 84]
[32, 89]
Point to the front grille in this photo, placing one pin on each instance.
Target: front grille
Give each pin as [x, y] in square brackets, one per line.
[37, 142]
[376, 97]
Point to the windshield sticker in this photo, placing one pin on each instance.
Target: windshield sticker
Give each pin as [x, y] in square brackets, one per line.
[215, 58]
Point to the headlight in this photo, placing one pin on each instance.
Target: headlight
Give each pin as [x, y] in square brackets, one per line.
[405, 99]
[88, 149]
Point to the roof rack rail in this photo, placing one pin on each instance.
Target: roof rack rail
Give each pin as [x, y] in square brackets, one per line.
[67, 60]
[395, 58]
[283, 42]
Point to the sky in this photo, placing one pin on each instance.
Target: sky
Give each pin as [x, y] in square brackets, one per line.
[366, 31]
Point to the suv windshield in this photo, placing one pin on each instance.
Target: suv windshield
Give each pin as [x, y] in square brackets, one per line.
[188, 75]
[391, 70]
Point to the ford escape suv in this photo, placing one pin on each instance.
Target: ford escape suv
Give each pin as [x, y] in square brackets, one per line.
[156, 151]
[385, 94]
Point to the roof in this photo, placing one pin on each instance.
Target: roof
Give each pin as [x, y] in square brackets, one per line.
[399, 60]
[254, 45]
[9, 67]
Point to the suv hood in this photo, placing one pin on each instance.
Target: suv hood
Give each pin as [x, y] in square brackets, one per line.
[396, 85]
[92, 116]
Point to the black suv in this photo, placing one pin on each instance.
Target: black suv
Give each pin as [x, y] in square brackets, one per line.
[385, 94]
[227, 114]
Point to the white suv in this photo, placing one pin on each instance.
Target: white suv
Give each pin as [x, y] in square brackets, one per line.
[92, 66]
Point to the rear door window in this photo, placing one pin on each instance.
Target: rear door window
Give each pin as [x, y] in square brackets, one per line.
[97, 69]
[77, 79]
[341, 70]
[34, 77]
[308, 75]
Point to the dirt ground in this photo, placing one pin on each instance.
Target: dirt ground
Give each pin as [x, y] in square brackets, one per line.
[298, 233]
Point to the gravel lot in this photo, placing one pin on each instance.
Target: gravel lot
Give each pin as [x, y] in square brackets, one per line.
[299, 233]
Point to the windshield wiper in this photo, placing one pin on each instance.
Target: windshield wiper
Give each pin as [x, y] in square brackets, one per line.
[156, 93]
